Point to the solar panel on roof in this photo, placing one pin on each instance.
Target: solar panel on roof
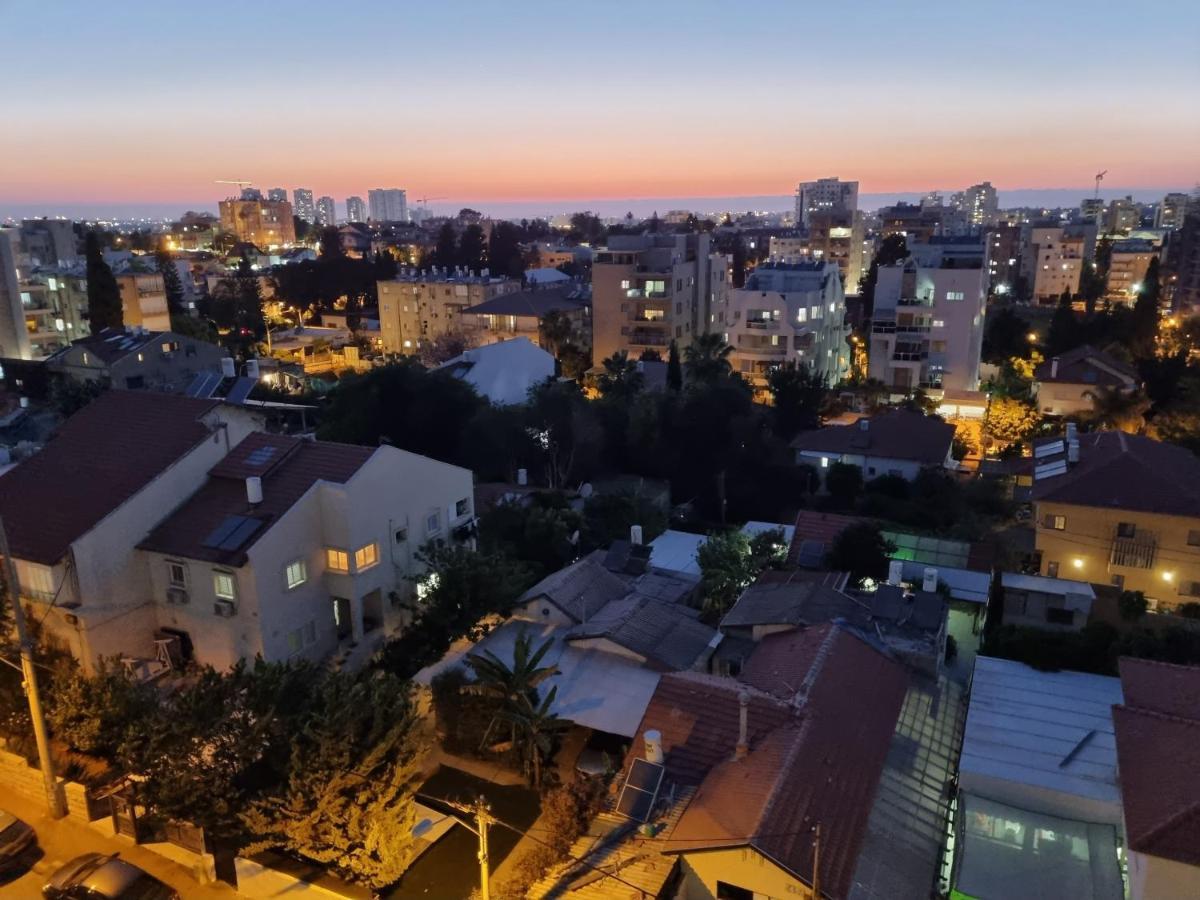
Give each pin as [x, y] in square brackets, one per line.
[640, 790]
[1050, 469]
[240, 391]
[1049, 449]
[241, 534]
[222, 531]
[812, 554]
[260, 456]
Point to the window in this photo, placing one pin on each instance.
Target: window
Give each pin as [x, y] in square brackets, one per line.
[462, 507]
[433, 523]
[337, 560]
[802, 315]
[1052, 569]
[939, 323]
[624, 283]
[1118, 581]
[1126, 529]
[732, 892]
[955, 295]
[1189, 588]
[177, 574]
[296, 574]
[366, 556]
[225, 585]
[1057, 523]
[1194, 538]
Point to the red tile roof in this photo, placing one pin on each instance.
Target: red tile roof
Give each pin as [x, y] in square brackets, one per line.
[1087, 365]
[821, 527]
[814, 758]
[98, 459]
[294, 466]
[899, 434]
[1158, 758]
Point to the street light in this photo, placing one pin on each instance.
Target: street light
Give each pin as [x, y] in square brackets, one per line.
[483, 818]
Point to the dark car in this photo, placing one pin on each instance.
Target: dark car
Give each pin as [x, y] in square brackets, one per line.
[96, 876]
[15, 838]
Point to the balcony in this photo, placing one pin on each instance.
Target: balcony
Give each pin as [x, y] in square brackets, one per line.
[763, 324]
[910, 356]
[1135, 552]
[914, 301]
[649, 338]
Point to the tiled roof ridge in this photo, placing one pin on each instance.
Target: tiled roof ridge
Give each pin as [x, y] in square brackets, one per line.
[1187, 813]
[785, 769]
[800, 699]
[724, 683]
[1190, 721]
[1160, 663]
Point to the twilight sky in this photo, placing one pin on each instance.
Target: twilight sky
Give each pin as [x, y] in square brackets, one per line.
[147, 103]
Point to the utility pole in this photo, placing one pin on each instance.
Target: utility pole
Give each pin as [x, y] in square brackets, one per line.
[483, 819]
[817, 862]
[13, 592]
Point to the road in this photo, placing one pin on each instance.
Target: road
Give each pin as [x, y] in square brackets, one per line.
[61, 840]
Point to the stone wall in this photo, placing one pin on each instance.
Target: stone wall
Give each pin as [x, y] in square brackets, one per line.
[21, 778]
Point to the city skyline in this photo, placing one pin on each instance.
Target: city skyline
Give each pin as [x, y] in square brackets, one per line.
[460, 115]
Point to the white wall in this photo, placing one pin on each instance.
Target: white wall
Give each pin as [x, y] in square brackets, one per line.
[1155, 878]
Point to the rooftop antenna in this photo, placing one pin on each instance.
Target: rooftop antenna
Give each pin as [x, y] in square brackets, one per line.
[1099, 178]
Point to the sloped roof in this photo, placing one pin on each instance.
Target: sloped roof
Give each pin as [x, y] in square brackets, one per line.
[288, 467]
[502, 372]
[1158, 732]
[535, 303]
[898, 434]
[667, 634]
[801, 602]
[579, 590]
[1125, 471]
[112, 344]
[98, 459]
[1087, 365]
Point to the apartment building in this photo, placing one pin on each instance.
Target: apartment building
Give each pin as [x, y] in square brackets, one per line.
[836, 237]
[650, 289]
[825, 195]
[302, 202]
[1171, 212]
[43, 306]
[264, 223]
[1127, 267]
[326, 212]
[1004, 257]
[927, 329]
[419, 306]
[144, 301]
[1119, 509]
[1052, 259]
[787, 312]
[1122, 217]
[917, 223]
[356, 209]
[387, 205]
[980, 204]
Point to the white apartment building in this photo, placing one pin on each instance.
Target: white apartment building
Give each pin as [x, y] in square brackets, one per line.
[1172, 211]
[302, 202]
[41, 308]
[277, 195]
[837, 237]
[326, 212]
[388, 205]
[927, 328]
[650, 289]
[825, 195]
[356, 209]
[980, 203]
[420, 305]
[787, 311]
[1051, 261]
[1128, 263]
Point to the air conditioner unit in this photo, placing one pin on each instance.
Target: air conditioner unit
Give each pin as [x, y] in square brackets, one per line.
[177, 595]
[226, 609]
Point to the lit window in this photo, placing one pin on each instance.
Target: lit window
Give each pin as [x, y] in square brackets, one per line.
[1057, 523]
[225, 585]
[824, 462]
[802, 315]
[337, 560]
[624, 283]
[177, 574]
[939, 323]
[365, 557]
[955, 295]
[462, 507]
[297, 574]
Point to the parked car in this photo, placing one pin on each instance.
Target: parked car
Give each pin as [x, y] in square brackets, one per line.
[15, 838]
[96, 876]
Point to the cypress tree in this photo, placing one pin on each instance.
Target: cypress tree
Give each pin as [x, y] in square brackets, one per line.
[674, 370]
[104, 297]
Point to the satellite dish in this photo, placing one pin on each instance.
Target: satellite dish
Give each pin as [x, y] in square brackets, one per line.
[586, 490]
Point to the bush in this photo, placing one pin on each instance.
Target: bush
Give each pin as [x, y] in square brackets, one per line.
[1189, 610]
[844, 483]
[894, 486]
[462, 718]
[1132, 605]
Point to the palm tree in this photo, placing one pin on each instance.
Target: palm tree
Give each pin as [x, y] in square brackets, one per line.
[1118, 409]
[707, 358]
[510, 685]
[555, 331]
[620, 378]
[534, 728]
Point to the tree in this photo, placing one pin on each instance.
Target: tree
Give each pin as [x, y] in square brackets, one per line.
[444, 347]
[797, 394]
[330, 246]
[1132, 605]
[586, 227]
[862, 550]
[504, 251]
[1146, 313]
[104, 297]
[706, 358]
[575, 361]
[172, 285]
[348, 799]
[555, 331]
[93, 714]
[621, 378]
[1118, 410]
[1006, 336]
[536, 727]
[674, 371]
[508, 684]
[564, 431]
[471, 248]
[1009, 420]
[1065, 333]
[445, 251]
[844, 483]
[730, 561]
[737, 272]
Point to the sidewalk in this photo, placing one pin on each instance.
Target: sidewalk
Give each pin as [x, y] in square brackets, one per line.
[64, 839]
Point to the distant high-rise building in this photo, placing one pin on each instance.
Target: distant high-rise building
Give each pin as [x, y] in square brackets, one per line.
[356, 209]
[1171, 211]
[326, 212]
[302, 202]
[277, 195]
[1123, 216]
[1052, 259]
[1091, 209]
[264, 223]
[825, 195]
[388, 205]
[980, 204]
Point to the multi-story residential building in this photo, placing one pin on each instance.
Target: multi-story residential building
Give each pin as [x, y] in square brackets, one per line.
[277, 195]
[520, 314]
[42, 306]
[326, 212]
[356, 209]
[388, 205]
[927, 330]
[1119, 509]
[144, 301]
[917, 223]
[1171, 212]
[1127, 267]
[54, 301]
[650, 289]
[787, 312]
[1181, 272]
[837, 237]
[1091, 209]
[1051, 261]
[1004, 257]
[419, 306]
[264, 223]
[980, 204]
[302, 201]
[134, 358]
[1123, 216]
[825, 195]
[50, 242]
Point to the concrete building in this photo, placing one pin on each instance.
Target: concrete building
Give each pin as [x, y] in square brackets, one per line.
[1127, 267]
[134, 358]
[917, 223]
[1171, 212]
[1055, 604]
[899, 443]
[356, 209]
[388, 205]
[787, 312]
[520, 314]
[326, 212]
[980, 204]
[1004, 258]
[43, 297]
[144, 301]
[1091, 209]
[419, 306]
[1065, 385]
[1119, 509]
[927, 330]
[1122, 217]
[825, 195]
[50, 242]
[836, 237]
[650, 289]
[55, 306]
[302, 202]
[1181, 281]
[1051, 261]
[265, 223]
[277, 195]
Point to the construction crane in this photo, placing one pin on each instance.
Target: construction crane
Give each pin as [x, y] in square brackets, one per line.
[238, 183]
[1099, 178]
[424, 200]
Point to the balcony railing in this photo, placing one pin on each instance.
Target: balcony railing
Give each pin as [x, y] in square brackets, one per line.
[914, 301]
[905, 356]
[765, 324]
[649, 339]
[1135, 552]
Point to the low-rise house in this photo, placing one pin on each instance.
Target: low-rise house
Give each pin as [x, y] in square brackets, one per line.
[1119, 509]
[677, 551]
[520, 314]
[546, 277]
[1156, 729]
[1040, 602]
[898, 442]
[503, 372]
[1039, 808]
[133, 358]
[1065, 385]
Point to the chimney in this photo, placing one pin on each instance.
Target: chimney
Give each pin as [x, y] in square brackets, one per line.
[930, 580]
[228, 369]
[635, 535]
[254, 490]
[743, 744]
[1073, 450]
[864, 424]
[895, 572]
[1054, 367]
[522, 477]
[654, 751]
